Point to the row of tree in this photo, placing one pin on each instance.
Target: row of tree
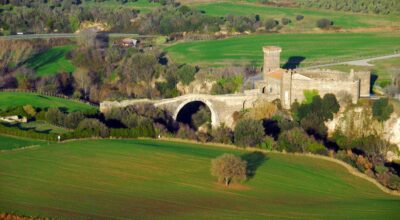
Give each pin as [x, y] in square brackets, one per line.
[362, 6]
[61, 16]
[170, 17]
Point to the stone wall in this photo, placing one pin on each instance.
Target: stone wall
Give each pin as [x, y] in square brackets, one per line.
[325, 74]
[365, 82]
[323, 86]
[286, 90]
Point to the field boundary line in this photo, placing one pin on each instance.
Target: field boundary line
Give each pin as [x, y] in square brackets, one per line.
[21, 148]
[51, 95]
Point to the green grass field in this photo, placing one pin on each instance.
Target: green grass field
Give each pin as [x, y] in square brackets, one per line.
[52, 61]
[315, 48]
[139, 179]
[12, 99]
[340, 19]
[143, 6]
[252, 7]
[8, 143]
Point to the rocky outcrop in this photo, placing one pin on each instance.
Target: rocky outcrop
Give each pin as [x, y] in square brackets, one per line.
[195, 87]
[358, 122]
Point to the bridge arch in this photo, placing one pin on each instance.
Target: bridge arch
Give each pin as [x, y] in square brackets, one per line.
[214, 115]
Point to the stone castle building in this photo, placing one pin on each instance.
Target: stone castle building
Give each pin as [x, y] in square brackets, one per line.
[277, 83]
[289, 85]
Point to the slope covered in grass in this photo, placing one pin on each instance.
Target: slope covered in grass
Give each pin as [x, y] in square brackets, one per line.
[144, 6]
[140, 179]
[12, 99]
[8, 142]
[345, 20]
[52, 61]
[313, 48]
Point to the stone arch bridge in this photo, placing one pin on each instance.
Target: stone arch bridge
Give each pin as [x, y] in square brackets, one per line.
[222, 107]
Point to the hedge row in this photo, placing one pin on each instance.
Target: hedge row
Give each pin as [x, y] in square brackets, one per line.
[117, 133]
[15, 131]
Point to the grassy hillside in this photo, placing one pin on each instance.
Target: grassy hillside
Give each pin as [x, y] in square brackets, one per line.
[12, 99]
[143, 6]
[114, 179]
[8, 143]
[315, 48]
[52, 61]
[340, 19]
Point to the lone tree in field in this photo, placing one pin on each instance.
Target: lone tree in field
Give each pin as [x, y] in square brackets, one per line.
[228, 168]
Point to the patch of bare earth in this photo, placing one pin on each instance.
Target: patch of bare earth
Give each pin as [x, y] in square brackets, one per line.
[8, 216]
[232, 186]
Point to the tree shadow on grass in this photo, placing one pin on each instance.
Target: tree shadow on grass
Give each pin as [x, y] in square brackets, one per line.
[254, 161]
[45, 58]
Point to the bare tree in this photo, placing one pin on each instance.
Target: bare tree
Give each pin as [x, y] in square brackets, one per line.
[87, 38]
[228, 168]
[83, 81]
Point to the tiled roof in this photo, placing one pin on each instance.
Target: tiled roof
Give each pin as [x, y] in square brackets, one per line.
[276, 74]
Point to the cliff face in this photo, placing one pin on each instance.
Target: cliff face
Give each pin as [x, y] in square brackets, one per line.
[195, 87]
[358, 121]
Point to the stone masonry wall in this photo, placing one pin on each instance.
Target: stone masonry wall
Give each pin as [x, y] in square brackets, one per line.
[365, 82]
[324, 87]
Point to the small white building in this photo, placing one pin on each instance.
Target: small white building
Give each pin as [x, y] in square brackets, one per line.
[128, 42]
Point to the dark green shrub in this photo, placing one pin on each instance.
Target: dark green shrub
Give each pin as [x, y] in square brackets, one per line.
[185, 132]
[286, 21]
[222, 134]
[299, 17]
[73, 119]
[294, 140]
[41, 115]
[93, 127]
[343, 156]
[186, 74]
[55, 116]
[270, 24]
[248, 132]
[202, 116]
[18, 110]
[316, 148]
[382, 109]
[203, 137]
[268, 143]
[324, 23]
[342, 140]
[394, 182]
[381, 169]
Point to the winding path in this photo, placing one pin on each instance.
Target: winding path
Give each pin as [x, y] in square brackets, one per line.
[362, 62]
